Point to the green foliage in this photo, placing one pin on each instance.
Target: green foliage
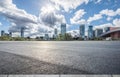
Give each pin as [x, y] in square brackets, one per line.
[97, 39]
[7, 38]
[65, 37]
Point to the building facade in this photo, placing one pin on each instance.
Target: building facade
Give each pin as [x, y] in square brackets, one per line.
[90, 32]
[63, 29]
[106, 29]
[113, 33]
[82, 31]
[22, 32]
[2, 33]
[98, 32]
[55, 33]
[10, 34]
[46, 37]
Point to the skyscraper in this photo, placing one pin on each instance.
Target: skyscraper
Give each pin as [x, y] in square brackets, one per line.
[63, 29]
[98, 32]
[82, 31]
[46, 37]
[2, 33]
[90, 32]
[106, 29]
[22, 32]
[55, 33]
[10, 34]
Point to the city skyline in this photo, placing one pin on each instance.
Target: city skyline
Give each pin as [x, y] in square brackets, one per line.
[39, 17]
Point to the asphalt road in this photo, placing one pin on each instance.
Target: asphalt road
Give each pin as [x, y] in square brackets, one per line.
[55, 57]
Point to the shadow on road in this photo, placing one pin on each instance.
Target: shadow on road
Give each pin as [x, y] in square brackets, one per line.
[16, 64]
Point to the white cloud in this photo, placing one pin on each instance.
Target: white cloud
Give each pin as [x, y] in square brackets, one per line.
[50, 17]
[103, 26]
[116, 22]
[109, 18]
[118, 11]
[111, 13]
[68, 5]
[97, 1]
[108, 12]
[74, 33]
[0, 24]
[95, 17]
[19, 17]
[77, 17]
[33, 25]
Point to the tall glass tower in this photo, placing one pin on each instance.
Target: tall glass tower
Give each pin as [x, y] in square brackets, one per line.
[106, 29]
[82, 31]
[63, 29]
[2, 33]
[90, 32]
[55, 33]
[22, 32]
[98, 32]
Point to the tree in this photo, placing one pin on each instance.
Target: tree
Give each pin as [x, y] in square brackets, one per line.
[64, 37]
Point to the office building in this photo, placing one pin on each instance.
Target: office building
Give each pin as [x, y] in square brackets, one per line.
[106, 29]
[46, 37]
[22, 32]
[55, 33]
[90, 32]
[113, 33]
[82, 31]
[93, 33]
[63, 29]
[10, 34]
[98, 32]
[2, 33]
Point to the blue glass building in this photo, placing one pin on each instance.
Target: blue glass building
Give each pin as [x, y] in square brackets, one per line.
[98, 32]
[90, 32]
[22, 32]
[63, 29]
[106, 29]
[2, 33]
[82, 31]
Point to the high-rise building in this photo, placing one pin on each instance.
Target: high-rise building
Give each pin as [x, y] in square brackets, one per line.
[46, 37]
[93, 33]
[2, 33]
[55, 33]
[98, 32]
[106, 29]
[10, 34]
[82, 31]
[63, 29]
[90, 32]
[22, 32]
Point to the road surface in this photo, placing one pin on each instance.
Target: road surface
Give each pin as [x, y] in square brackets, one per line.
[60, 57]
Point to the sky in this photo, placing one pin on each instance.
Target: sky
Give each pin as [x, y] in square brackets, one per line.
[43, 16]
